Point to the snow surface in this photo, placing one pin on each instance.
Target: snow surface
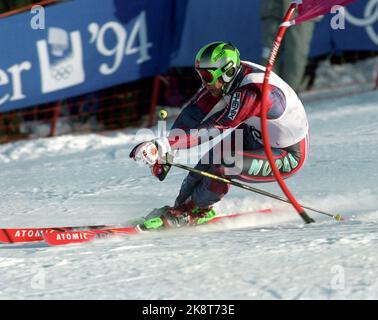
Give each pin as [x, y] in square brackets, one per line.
[89, 179]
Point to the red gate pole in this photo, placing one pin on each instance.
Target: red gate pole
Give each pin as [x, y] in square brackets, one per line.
[54, 119]
[264, 128]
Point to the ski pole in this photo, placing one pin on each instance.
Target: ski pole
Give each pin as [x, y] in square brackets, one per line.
[337, 217]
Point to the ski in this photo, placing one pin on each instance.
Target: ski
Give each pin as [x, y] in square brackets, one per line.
[55, 237]
[61, 237]
[16, 235]
[81, 233]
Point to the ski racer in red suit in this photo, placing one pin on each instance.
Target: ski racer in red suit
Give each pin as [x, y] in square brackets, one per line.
[229, 101]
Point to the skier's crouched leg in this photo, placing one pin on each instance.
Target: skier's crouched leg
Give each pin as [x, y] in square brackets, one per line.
[210, 191]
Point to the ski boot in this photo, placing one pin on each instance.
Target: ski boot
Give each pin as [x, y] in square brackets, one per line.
[177, 217]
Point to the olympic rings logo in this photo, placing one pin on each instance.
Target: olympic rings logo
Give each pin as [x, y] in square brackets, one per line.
[368, 21]
[62, 73]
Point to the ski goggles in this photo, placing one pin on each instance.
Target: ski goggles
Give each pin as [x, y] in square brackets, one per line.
[211, 75]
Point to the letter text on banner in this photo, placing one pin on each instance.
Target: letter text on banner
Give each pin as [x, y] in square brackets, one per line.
[84, 46]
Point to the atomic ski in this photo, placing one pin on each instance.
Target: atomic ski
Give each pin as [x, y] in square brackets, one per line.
[15, 235]
[61, 237]
[69, 237]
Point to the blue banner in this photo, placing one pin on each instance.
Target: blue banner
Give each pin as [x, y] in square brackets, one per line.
[239, 22]
[218, 20]
[80, 46]
[85, 45]
[353, 28]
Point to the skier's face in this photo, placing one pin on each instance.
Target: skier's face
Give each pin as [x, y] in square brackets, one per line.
[216, 88]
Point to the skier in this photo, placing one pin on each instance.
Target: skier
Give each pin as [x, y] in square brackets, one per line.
[229, 99]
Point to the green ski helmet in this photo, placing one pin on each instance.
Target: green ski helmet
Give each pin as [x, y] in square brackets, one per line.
[217, 60]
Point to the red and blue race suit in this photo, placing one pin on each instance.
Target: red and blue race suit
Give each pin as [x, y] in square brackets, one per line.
[238, 111]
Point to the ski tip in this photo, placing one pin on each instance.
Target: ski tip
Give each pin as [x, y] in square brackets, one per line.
[16, 235]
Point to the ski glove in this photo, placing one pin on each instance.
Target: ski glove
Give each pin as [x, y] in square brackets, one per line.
[154, 153]
[145, 152]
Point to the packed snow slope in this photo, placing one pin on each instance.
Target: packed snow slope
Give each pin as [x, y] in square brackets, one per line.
[74, 180]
